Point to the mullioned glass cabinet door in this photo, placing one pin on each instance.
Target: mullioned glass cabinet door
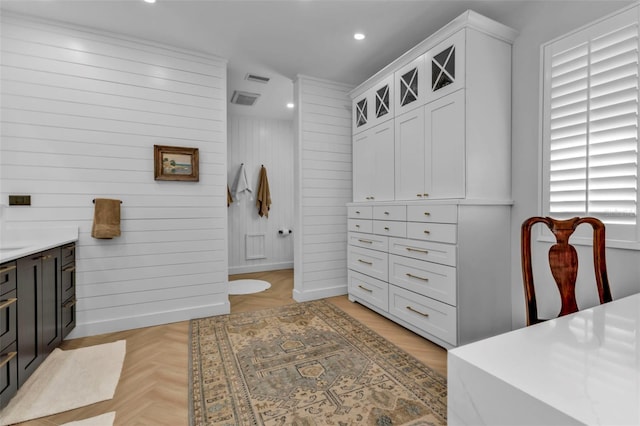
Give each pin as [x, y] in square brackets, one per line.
[445, 64]
[410, 86]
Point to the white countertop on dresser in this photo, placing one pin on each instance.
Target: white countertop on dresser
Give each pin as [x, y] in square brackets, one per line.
[17, 243]
[583, 368]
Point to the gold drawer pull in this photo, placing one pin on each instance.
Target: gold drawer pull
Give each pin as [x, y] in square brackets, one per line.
[386, 228]
[69, 269]
[7, 303]
[417, 312]
[387, 213]
[357, 211]
[417, 277]
[8, 357]
[425, 195]
[357, 226]
[45, 257]
[7, 269]
[426, 232]
[365, 289]
[365, 262]
[418, 195]
[365, 241]
[418, 250]
[427, 214]
[70, 303]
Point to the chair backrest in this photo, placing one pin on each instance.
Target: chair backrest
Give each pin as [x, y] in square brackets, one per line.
[563, 261]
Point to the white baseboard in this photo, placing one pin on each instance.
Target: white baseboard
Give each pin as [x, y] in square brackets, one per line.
[247, 269]
[305, 296]
[148, 320]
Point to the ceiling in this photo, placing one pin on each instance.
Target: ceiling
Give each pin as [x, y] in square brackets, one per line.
[277, 39]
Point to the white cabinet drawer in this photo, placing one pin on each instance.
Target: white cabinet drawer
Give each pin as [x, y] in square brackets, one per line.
[390, 212]
[360, 212]
[360, 225]
[433, 213]
[424, 250]
[392, 229]
[431, 316]
[371, 241]
[440, 232]
[369, 289]
[425, 278]
[369, 262]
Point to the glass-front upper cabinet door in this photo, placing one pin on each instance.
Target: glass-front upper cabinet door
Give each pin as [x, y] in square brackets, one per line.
[382, 98]
[446, 66]
[410, 86]
[360, 113]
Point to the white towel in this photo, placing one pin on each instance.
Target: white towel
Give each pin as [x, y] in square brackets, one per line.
[241, 184]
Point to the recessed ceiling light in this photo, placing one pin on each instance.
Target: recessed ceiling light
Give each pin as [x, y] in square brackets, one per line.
[359, 36]
[149, 1]
[290, 105]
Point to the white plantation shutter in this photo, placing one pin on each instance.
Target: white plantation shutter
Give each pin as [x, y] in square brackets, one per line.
[590, 119]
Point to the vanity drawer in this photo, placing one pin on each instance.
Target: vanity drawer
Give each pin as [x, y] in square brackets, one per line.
[68, 316]
[360, 225]
[371, 241]
[369, 289]
[8, 317]
[425, 278]
[8, 374]
[424, 250]
[440, 232]
[68, 254]
[68, 281]
[369, 262]
[390, 213]
[433, 213]
[7, 277]
[431, 316]
[360, 212]
[389, 228]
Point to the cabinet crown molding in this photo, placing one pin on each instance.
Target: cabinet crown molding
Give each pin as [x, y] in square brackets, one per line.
[468, 19]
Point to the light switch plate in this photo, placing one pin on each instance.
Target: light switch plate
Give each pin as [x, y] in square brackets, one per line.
[19, 200]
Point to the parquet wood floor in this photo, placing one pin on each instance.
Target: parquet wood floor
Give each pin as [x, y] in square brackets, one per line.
[153, 388]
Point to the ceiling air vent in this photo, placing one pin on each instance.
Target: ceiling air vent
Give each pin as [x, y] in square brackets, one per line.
[257, 78]
[244, 98]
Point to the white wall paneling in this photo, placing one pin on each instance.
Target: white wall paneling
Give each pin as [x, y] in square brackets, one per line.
[81, 111]
[323, 177]
[256, 141]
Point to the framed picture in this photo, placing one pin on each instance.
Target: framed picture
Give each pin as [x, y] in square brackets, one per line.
[175, 163]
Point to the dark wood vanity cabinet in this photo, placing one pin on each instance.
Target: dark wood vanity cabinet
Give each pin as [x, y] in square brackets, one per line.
[8, 333]
[39, 309]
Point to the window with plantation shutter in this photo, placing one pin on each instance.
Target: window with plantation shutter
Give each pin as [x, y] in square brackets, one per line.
[590, 125]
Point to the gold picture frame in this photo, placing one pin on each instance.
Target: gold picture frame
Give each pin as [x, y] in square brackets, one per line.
[175, 163]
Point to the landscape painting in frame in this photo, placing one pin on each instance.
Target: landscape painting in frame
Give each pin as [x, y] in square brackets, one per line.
[175, 163]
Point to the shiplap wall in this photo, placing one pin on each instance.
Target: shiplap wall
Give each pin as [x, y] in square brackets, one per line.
[81, 111]
[323, 179]
[256, 141]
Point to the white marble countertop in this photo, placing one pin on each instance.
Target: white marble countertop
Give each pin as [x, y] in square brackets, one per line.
[583, 368]
[17, 243]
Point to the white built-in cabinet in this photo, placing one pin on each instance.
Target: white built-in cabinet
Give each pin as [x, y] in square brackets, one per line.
[432, 185]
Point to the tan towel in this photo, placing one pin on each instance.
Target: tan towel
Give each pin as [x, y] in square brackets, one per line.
[229, 197]
[264, 197]
[106, 218]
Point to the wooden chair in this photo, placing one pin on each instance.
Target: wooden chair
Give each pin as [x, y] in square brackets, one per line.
[563, 261]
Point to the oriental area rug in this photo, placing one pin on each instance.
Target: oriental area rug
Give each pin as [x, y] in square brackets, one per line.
[306, 364]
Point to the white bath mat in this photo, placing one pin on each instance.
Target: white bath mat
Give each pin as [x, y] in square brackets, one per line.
[67, 380]
[248, 286]
[101, 420]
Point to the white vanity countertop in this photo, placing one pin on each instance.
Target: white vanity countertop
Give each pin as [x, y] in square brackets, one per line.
[583, 368]
[17, 243]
